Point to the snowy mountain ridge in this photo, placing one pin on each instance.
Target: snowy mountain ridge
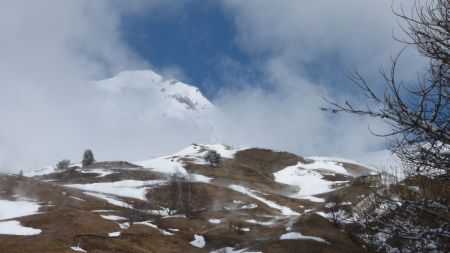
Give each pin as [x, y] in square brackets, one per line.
[180, 99]
[150, 97]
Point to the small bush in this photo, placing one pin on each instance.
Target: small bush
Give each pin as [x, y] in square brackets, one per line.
[63, 165]
[88, 158]
[213, 158]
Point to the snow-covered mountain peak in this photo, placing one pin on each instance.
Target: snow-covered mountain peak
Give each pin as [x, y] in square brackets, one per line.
[177, 97]
[146, 97]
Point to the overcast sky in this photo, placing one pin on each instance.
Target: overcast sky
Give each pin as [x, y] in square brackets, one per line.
[263, 63]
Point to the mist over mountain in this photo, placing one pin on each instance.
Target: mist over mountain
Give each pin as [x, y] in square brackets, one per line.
[145, 96]
[132, 115]
[49, 111]
[139, 113]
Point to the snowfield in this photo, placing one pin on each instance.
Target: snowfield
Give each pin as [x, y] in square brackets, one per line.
[52, 169]
[381, 160]
[309, 179]
[331, 166]
[194, 153]
[13, 209]
[125, 188]
[165, 164]
[14, 227]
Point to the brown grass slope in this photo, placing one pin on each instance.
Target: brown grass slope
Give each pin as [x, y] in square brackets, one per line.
[67, 222]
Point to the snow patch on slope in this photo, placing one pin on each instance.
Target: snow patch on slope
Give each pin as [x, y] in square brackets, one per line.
[78, 249]
[14, 227]
[309, 178]
[13, 209]
[322, 164]
[109, 199]
[40, 172]
[148, 223]
[113, 217]
[381, 160]
[199, 241]
[114, 234]
[284, 210]
[299, 236]
[215, 221]
[100, 172]
[194, 153]
[125, 188]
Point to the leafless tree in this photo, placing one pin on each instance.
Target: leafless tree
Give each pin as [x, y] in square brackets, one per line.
[337, 214]
[418, 113]
[177, 197]
[181, 192]
[419, 116]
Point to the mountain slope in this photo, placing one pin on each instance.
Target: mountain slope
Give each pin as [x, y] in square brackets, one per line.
[255, 200]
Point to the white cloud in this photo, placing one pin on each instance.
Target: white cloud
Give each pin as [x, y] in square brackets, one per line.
[48, 49]
[289, 118]
[288, 37]
[358, 30]
[173, 72]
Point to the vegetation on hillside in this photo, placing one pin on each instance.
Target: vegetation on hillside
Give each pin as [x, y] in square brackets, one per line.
[88, 158]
